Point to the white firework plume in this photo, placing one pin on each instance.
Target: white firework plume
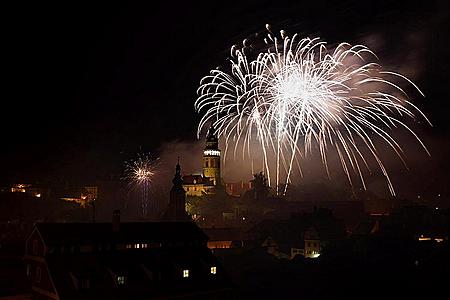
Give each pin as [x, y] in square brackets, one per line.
[296, 95]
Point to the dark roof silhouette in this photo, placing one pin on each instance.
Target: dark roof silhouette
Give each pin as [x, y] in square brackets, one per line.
[92, 272]
[223, 234]
[199, 179]
[57, 233]
[145, 272]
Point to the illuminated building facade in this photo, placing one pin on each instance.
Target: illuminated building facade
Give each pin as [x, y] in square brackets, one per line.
[82, 196]
[312, 243]
[33, 190]
[197, 185]
[211, 158]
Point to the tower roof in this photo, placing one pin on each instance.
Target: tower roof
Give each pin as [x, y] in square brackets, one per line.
[177, 179]
[212, 142]
[211, 135]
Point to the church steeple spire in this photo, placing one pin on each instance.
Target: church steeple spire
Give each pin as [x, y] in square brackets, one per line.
[176, 210]
[177, 179]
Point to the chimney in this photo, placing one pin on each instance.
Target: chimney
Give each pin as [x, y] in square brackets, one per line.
[116, 221]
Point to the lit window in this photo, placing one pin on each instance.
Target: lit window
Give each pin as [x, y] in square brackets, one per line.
[120, 280]
[38, 195]
[137, 246]
[128, 246]
[185, 273]
[213, 270]
[211, 152]
[144, 246]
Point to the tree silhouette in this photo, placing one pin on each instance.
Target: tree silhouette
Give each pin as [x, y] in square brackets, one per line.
[261, 188]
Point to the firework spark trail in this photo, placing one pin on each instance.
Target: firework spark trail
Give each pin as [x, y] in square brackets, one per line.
[139, 173]
[296, 93]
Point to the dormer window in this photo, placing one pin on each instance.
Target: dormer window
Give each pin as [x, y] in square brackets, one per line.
[85, 284]
[28, 270]
[121, 280]
[37, 278]
[35, 247]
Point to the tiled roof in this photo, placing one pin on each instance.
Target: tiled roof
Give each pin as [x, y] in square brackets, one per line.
[148, 273]
[198, 179]
[57, 233]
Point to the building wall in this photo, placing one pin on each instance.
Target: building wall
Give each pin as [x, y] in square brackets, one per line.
[37, 271]
[312, 248]
[219, 244]
[238, 188]
[211, 168]
[194, 190]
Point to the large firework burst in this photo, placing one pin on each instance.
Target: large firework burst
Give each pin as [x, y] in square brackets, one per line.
[296, 95]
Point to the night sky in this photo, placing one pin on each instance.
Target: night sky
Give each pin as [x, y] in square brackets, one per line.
[87, 86]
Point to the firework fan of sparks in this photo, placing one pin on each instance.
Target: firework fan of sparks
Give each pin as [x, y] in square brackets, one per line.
[296, 93]
[139, 173]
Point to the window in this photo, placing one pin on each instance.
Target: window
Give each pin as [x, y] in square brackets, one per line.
[28, 270]
[185, 273]
[35, 247]
[137, 246]
[121, 280]
[213, 270]
[128, 246]
[38, 275]
[144, 246]
[85, 283]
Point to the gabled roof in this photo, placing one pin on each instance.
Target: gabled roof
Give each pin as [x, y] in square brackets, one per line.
[165, 264]
[59, 233]
[196, 179]
[190, 179]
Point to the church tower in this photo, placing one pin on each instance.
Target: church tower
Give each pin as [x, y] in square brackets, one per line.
[211, 157]
[176, 210]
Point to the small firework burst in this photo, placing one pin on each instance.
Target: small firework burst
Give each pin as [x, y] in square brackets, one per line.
[139, 173]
